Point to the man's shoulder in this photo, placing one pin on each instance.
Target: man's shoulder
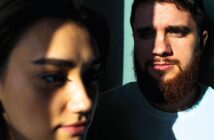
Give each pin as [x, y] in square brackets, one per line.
[122, 88]
[114, 109]
[122, 91]
[210, 90]
[207, 97]
[207, 89]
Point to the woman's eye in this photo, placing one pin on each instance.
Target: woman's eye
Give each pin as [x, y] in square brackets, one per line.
[57, 78]
[90, 76]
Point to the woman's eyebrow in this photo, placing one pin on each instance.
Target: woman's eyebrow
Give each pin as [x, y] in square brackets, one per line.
[54, 62]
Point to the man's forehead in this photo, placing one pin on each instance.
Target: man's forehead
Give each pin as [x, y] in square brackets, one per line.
[152, 14]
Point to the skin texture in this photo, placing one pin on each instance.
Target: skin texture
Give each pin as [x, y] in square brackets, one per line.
[166, 40]
[48, 84]
[172, 45]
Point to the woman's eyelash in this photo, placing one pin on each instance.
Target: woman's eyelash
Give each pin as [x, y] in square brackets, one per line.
[55, 78]
[91, 75]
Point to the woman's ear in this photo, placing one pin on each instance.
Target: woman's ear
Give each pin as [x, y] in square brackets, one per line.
[1, 106]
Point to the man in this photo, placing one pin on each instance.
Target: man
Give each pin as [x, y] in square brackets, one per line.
[166, 102]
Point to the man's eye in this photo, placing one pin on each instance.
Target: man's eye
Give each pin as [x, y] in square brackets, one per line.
[147, 34]
[179, 32]
[57, 78]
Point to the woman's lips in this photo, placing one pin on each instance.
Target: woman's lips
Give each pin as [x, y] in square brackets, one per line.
[75, 129]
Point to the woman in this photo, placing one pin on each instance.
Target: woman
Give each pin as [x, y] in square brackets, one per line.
[48, 66]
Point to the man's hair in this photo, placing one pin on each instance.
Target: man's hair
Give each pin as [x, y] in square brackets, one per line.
[194, 7]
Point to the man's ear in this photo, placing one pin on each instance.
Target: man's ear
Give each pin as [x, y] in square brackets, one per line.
[204, 38]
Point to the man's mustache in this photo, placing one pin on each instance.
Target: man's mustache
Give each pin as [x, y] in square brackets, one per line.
[159, 61]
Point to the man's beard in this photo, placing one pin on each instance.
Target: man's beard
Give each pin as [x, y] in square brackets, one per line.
[171, 90]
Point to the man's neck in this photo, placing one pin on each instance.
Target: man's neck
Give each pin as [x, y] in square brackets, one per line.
[183, 104]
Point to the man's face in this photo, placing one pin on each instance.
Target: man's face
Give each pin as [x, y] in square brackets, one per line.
[166, 41]
[48, 91]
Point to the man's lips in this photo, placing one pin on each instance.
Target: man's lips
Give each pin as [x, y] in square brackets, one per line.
[162, 66]
[74, 129]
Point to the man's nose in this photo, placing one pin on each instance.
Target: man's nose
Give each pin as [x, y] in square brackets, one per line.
[162, 46]
[79, 100]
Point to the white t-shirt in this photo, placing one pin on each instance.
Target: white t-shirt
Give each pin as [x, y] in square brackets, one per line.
[123, 113]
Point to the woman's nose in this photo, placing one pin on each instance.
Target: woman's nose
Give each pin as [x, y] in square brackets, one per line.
[79, 100]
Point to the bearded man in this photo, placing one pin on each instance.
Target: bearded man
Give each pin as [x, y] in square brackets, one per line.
[167, 102]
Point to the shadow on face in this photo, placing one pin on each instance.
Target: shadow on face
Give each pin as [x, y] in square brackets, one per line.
[166, 39]
[49, 90]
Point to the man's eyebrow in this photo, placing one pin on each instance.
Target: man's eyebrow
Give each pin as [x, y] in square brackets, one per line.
[178, 28]
[54, 62]
[145, 29]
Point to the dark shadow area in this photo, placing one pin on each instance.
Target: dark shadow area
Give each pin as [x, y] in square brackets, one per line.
[113, 10]
[207, 62]
[124, 114]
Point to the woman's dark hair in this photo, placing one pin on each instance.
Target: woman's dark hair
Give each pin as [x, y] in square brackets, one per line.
[16, 16]
[98, 27]
[194, 7]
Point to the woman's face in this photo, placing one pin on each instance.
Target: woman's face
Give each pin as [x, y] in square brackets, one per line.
[49, 88]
